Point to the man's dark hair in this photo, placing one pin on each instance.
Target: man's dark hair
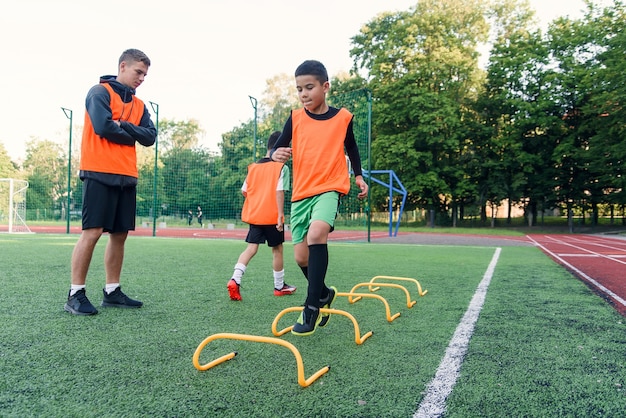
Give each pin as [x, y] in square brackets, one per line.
[134, 55]
[314, 68]
[271, 141]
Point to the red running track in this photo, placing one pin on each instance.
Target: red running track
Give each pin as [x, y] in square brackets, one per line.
[598, 260]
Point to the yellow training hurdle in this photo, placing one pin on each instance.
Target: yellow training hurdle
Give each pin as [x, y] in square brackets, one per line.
[373, 285]
[370, 285]
[408, 279]
[355, 297]
[255, 338]
[357, 337]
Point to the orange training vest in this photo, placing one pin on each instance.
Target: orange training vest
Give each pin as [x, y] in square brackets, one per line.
[103, 156]
[260, 207]
[319, 159]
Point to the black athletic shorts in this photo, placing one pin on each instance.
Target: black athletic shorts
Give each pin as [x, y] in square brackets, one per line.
[258, 234]
[109, 207]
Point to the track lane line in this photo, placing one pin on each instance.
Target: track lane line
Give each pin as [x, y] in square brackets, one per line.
[589, 252]
[608, 292]
[611, 244]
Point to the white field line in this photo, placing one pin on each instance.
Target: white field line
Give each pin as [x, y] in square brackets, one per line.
[434, 403]
[583, 275]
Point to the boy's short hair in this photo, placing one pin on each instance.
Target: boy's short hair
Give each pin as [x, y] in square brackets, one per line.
[134, 55]
[271, 141]
[314, 68]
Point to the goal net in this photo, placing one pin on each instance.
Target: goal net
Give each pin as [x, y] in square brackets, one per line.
[13, 206]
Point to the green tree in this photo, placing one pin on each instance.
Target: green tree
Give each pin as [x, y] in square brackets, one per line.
[8, 169]
[177, 139]
[236, 154]
[279, 98]
[587, 157]
[179, 134]
[518, 108]
[606, 124]
[45, 168]
[422, 68]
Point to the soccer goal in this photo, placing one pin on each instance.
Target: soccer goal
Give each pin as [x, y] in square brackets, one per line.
[13, 206]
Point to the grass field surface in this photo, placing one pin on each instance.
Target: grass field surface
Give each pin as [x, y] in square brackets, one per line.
[543, 345]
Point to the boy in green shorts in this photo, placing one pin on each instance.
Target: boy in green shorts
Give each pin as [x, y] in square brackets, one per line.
[318, 135]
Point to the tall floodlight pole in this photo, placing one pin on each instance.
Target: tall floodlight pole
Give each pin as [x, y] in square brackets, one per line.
[155, 107]
[69, 114]
[253, 101]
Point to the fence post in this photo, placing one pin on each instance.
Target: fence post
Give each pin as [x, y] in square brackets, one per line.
[155, 107]
[69, 115]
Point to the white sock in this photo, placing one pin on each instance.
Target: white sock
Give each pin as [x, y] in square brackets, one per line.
[238, 273]
[75, 288]
[279, 279]
[110, 287]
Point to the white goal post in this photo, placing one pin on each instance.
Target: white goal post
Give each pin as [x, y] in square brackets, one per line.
[13, 206]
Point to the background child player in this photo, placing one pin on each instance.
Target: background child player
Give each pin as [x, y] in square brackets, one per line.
[318, 134]
[263, 208]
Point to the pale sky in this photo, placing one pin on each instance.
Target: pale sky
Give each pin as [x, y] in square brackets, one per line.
[207, 56]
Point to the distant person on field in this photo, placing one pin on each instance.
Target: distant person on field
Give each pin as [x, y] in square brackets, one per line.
[189, 217]
[318, 135]
[200, 216]
[263, 208]
[115, 119]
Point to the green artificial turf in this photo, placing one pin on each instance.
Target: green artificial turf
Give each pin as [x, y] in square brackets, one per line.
[543, 341]
[544, 346]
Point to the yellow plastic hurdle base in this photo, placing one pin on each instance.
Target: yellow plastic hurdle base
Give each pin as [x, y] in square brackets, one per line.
[408, 279]
[255, 338]
[355, 297]
[370, 285]
[357, 334]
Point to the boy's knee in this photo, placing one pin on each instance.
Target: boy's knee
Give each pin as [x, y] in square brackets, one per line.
[301, 261]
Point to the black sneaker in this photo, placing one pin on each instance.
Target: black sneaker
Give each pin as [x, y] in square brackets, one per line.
[78, 304]
[309, 318]
[118, 299]
[326, 305]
